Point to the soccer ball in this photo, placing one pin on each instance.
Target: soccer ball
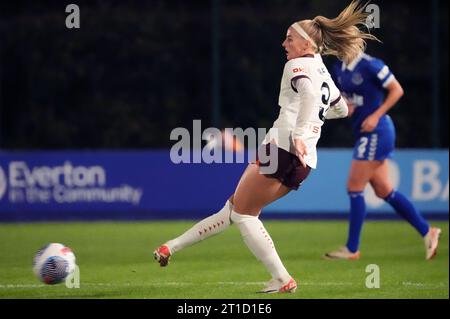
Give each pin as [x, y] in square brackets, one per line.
[53, 263]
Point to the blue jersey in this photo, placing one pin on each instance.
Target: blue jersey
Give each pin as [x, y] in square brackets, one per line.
[363, 82]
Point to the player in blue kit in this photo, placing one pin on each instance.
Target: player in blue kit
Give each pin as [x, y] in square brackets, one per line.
[371, 90]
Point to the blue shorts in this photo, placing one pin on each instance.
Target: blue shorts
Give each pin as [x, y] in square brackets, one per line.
[374, 146]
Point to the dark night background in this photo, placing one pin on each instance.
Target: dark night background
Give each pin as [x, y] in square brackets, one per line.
[137, 69]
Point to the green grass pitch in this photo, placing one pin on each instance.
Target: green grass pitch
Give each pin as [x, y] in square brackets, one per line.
[116, 261]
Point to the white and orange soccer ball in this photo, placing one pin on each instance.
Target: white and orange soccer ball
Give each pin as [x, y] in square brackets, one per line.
[53, 263]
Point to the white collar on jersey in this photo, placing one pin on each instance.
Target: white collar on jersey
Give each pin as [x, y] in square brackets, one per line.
[352, 65]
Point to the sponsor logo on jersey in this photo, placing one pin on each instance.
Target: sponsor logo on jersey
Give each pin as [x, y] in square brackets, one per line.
[357, 78]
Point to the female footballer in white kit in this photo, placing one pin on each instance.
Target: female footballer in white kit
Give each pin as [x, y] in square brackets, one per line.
[308, 96]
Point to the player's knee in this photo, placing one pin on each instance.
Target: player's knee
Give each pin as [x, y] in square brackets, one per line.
[382, 190]
[243, 208]
[354, 185]
[245, 204]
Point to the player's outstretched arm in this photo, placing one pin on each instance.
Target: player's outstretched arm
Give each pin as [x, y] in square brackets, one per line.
[337, 110]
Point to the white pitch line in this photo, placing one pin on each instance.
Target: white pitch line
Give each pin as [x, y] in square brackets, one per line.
[20, 286]
[231, 283]
[422, 284]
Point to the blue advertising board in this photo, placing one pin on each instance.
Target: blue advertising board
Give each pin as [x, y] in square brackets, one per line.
[422, 175]
[128, 185]
[109, 185]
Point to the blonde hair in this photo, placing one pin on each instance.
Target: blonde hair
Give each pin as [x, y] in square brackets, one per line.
[340, 36]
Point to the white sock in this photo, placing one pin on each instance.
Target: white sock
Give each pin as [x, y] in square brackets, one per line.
[205, 228]
[260, 244]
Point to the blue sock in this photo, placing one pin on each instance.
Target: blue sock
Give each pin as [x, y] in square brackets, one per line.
[357, 215]
[406, 209]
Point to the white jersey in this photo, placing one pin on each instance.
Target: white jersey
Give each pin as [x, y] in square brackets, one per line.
[325, 94]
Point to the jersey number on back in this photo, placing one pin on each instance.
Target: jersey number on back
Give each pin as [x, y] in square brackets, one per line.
[325, 89]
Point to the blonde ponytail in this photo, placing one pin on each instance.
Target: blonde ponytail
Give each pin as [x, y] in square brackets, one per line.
[340, 36]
